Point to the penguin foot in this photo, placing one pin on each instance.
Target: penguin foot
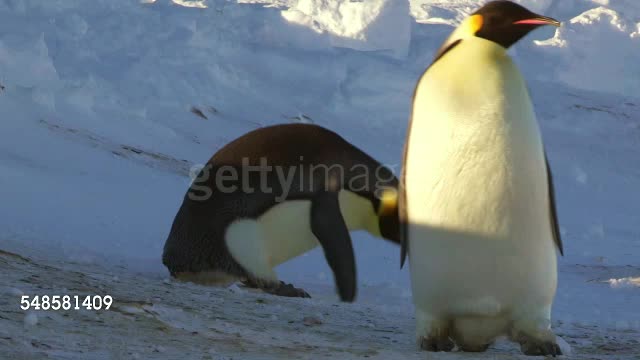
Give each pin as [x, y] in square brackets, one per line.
[535, 347]
[473, 348]
[279, 288]
[287, 290]
[436, 343]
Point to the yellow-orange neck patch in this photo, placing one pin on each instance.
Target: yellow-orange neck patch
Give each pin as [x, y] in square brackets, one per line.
[473, 24]
[388, 202]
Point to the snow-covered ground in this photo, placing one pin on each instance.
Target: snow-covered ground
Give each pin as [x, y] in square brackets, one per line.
[98, 132]
[156, 319]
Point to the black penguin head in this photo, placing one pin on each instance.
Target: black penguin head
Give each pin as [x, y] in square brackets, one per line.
[504, 22]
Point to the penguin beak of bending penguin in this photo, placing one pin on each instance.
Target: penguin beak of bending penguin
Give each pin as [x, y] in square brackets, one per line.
[539, 21]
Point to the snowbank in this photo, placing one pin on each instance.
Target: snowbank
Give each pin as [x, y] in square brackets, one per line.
[599, 49]
[31, 53]
[360, 25]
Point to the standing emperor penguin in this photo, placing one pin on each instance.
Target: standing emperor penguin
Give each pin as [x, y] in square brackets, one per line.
[274, 194]
[477, 208]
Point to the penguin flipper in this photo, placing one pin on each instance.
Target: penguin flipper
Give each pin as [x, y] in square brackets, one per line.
[402, 209]
[553, 214]
[328, 226]
[404, 242]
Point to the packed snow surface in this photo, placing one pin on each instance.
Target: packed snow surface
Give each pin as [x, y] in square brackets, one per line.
[106, 105]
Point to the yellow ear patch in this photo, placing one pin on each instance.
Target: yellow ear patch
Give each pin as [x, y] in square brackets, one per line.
[388, 202]
[473, 24]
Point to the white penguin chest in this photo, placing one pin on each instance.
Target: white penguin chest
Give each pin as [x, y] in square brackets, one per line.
[288, 231]
[474, 156]
[285, 230]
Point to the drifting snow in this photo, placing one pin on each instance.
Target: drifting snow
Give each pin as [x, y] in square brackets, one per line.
[628, 282]
[30, 319]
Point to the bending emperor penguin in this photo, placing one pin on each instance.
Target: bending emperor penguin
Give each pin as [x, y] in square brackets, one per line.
[276, 193]
[477, 209]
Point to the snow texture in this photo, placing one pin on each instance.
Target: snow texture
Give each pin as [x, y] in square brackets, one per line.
[106, 106]
[156, 319]
[361, 25]
[628, 282]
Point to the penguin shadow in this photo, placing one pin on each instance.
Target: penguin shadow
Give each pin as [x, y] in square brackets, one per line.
[488, 248]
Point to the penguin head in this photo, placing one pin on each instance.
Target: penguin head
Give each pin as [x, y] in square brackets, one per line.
[502, 22]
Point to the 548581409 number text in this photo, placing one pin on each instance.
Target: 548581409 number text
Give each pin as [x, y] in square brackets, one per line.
[65, 302]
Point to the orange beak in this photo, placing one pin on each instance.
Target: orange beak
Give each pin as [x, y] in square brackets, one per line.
[540, 20]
